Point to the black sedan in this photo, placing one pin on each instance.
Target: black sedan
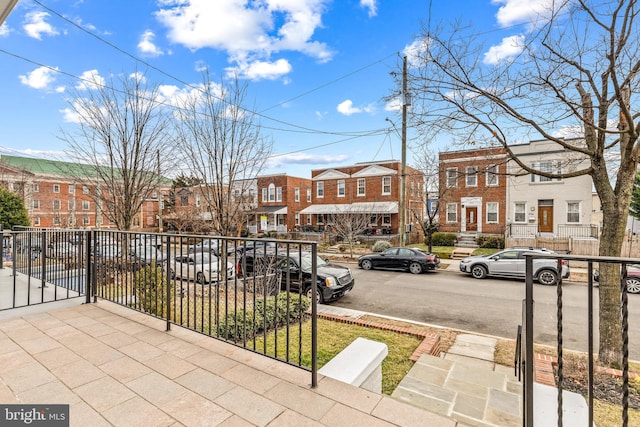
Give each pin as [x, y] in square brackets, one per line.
[407, 259]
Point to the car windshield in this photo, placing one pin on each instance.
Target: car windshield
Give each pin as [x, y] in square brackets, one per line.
[306, 261]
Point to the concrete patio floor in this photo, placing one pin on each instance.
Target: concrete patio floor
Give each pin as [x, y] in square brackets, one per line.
[115, 366]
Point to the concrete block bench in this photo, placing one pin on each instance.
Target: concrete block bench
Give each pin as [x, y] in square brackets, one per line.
[359, 364]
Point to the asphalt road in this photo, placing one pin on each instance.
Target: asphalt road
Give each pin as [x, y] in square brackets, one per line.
[489, 306]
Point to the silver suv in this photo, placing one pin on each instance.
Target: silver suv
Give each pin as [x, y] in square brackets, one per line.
[511, 263]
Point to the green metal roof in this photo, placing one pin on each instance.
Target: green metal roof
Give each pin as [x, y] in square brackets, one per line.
[54, 167]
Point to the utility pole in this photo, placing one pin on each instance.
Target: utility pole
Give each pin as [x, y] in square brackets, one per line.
[403, 175]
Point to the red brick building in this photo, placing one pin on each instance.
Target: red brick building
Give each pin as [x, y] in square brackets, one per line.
[281, 198]
[372, 188]
[473, 191]
[55, 199]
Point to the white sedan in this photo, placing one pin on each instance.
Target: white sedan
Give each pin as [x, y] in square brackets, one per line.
[201, 267]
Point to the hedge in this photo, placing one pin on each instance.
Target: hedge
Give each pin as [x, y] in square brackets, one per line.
[443, 239]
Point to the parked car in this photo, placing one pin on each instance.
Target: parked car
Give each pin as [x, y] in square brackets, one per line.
[202, 267]
[61, 250]
[400, 258]
[511, 263]
[207, 245]
[251, 245]
[632, 278]
[333, 280]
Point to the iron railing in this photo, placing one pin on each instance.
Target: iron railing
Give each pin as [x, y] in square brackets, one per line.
[526, 359]
[590, 231]
[253, 293]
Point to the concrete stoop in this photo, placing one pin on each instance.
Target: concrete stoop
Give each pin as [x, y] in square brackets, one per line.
[468, 393]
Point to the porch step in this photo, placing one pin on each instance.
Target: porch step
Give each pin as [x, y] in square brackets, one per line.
[465, 385]
[466, 241]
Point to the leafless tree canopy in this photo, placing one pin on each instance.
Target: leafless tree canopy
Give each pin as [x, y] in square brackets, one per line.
[223, 145]
[574, 74]
[122, 130]
[350, 222]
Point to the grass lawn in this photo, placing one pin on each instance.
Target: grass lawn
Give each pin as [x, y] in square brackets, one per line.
[333, 337]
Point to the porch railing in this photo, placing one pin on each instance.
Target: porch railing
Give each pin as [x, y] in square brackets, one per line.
[232, 289]
[579, 231]
[526, 359]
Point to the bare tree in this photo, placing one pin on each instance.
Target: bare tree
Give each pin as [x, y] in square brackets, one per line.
[427, 162]
[185, 218]
[349, 222]
[224, 148]
[575, 74]
[122, 133]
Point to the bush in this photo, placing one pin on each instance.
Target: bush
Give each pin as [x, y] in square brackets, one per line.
[342, 248]
[380, 246]
[443, 239]
[491, 242]
[269, 314]
[151, 290]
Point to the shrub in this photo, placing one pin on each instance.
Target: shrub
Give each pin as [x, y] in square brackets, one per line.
[380, 246]
[151, 290]
[491, 242]
[267, 314]
[443, 239]
[342, 248]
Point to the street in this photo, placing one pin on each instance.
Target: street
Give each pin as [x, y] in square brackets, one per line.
[489, 306]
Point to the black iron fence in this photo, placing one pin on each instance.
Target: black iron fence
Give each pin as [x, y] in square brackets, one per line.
[525, 347]
[253, 293]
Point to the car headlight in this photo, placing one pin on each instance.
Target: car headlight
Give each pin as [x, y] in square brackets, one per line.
[330, 281]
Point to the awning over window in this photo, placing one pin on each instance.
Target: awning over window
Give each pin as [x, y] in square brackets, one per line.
[361, 207]
[278, 210]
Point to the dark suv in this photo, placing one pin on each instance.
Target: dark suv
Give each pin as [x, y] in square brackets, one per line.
[294, 270]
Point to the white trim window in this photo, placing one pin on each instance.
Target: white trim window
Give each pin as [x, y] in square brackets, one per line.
[72, 189]
[85, 189]
[86, 220]
[197, 200]
[296, 194]
[320, 189]
[36, 221]
[573, 212]
[550, 166]
[308, 195]
[471, 176]
[35, 204]
[319, 218]
[386, 185]
[452, 177]
[272, 192]
[56, 188]
[520, 212]
[362, 187]
[452, 212]
[36, 188]
[71, 204]
[278, 194]
[341, 188]
[492, 212]
[264, 194]
[297, 217]
[56, 204]
[492, 176]
[308, 219]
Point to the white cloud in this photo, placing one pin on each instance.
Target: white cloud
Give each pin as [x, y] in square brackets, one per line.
[40, 78]
[259, 70]
[200, 66]
[346, 107]
[394, 105]
[146, 45]
[250, 32]
[416, 52]
[533, 12]
[90, 79]
[371, 6]
[35, 25]
[5, 30]
[510, 47]
[138, 76]
[320, 115]
[305, 159]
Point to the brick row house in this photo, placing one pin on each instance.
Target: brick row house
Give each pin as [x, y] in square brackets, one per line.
[482, 191]
[371, 188]
[473, 191]
[281, 199]
[54, 199]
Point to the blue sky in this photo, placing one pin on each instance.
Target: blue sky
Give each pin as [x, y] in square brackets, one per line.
[318, 70]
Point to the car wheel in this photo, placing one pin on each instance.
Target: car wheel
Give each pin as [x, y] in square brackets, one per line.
[200, 277]
[318, 295]
[547, 277]
[633, 285]
[366, 264]
[415, 268]
[479, 271]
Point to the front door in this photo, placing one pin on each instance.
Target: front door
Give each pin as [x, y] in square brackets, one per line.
[545, 218]
[472, 218]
